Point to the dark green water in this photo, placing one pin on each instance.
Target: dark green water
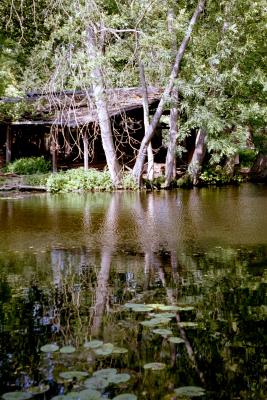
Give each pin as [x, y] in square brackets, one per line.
[68, 264]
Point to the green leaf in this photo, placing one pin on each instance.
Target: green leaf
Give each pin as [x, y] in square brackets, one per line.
[42, 388]
[93, 344]
[105, 373]
[70, 375]
[67, 349]
[162, 332]
[87, 394]
[188, 324]
[97, 382]
[155, 366]
[119, 350]
[16, 396]
[176, 340]
[119, 378]
[49, 348]
[190, 391]
[105, 350]
[125, 396]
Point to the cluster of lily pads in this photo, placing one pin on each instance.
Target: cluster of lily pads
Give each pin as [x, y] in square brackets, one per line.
[158, 316]
[97, 346]
[161, 315]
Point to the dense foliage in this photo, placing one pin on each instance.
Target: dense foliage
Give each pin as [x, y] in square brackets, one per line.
[221, 82]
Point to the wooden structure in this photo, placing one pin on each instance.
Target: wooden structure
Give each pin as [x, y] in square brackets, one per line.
[69, 118]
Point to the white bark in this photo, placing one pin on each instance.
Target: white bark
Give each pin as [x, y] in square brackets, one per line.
[170, 167]
[195, 166]
[94, 55]
[150, 155]
[140, 160]
[85, 151]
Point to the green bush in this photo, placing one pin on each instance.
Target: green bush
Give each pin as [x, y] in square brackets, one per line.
[218, 176]
[36, 179]
[79, 180]
[247, 157]
[128, 182]
[29, 166]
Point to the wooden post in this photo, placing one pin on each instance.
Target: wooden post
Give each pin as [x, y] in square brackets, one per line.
[8, 144]
[85, 151]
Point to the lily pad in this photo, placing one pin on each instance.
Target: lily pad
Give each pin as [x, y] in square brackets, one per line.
[155, 306]
[70, 375]
[16, 396]
[190, 391]
[97, 382]
[125, 396]
[168, 308]
[105, 350]
[87, 394]
[188, 324]
[42, 388]
[141, 308]
[176, 339]
[185, 308]
[67, 349]
[105, 373]
[119, 378]
[119, 350]
[49, 348]
[155, 322]
[162, 332]
[93, 344]
[163, 315]
[156, 366]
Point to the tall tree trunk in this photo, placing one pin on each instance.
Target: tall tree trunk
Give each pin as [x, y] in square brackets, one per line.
[94, 54]
[8, 144]
[140, 160]
[195, 166]
[150, 156]
[170, 166]
[85, 151]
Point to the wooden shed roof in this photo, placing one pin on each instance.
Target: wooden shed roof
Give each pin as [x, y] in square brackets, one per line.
[77, 108]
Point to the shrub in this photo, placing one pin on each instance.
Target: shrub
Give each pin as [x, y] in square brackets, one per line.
[36, 179]
[29, 166]
[79, 180]
[247, 157]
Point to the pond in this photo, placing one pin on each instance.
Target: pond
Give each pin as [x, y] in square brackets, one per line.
[134, 295]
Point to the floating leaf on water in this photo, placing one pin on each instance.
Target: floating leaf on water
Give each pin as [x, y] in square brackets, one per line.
[119, 350]
[105, 350]
[185, 308]
[105, 373]
[119, 378]
[190, 391]
[155, 322]
[69, 375]
[141, 308]
[188, 324]
[156, 366]
[155, 306]
[67, 349]
[93, 344]
[163, 315]
[168, 308]
[97, 382]
[88, 394]
[125, 396]
[162, 332]
[16, 396]
[42, 388]
[49, 348]
[176, 340]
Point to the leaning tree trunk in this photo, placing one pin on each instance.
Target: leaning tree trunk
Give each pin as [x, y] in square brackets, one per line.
[195, 166]
[150, 155]
[94, 55]
[170, 165]
[140, 160]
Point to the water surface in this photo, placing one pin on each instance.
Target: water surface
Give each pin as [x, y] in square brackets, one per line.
[69, 263]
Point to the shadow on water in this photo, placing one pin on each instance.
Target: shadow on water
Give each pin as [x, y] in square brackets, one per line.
[69, 264]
